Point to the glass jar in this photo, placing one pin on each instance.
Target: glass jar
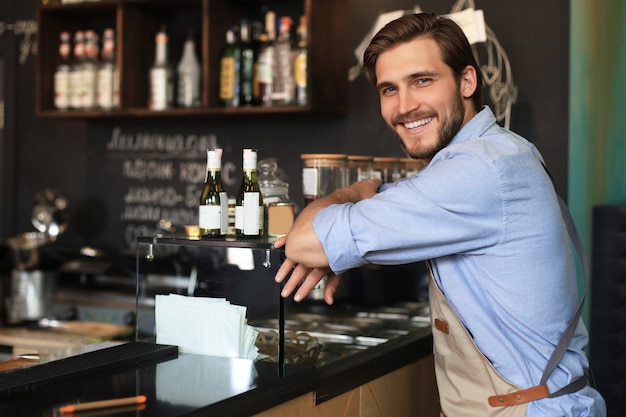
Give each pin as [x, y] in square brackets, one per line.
[321, 175]
[272, 188]
[412, 166]
[358, 168]
[386, 168]
[280, 209]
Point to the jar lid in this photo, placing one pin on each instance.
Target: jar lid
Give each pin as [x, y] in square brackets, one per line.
[323, 156]
[359, 158]
[385, 159]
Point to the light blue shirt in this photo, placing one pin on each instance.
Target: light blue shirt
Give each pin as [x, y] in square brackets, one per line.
[486, 213]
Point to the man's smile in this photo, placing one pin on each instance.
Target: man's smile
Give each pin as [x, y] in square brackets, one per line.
[418, 123]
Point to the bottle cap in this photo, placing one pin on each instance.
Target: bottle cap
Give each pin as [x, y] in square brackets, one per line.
[249, 159]
[214, 158]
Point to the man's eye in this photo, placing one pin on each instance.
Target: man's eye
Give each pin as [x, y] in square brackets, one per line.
[387, 90]
[423, 80]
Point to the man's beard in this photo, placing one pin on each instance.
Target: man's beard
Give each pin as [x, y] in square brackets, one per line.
[449, 128]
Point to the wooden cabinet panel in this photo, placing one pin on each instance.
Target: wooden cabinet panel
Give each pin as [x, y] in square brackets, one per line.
[406, 392]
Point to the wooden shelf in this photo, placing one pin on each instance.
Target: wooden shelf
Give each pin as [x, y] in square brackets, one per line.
[174, 112]
[137, 21]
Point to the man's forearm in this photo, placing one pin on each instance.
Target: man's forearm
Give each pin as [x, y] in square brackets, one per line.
[302, 244]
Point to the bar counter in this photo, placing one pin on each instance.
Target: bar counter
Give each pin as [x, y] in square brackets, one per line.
[196, 385]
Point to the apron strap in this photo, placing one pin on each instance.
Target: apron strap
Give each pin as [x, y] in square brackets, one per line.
[563, 344]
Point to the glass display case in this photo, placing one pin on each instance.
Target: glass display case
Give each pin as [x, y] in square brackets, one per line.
[236, 272]
[242, 272]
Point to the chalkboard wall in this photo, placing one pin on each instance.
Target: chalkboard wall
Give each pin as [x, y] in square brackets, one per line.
[122, 176]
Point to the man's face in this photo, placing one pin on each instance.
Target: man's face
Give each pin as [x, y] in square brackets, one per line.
[419, 97]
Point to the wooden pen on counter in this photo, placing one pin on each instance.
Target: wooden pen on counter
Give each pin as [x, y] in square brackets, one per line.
[93, 405]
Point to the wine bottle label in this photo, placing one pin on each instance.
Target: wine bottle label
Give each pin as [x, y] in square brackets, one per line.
[210, 217]
[88, 98]
[264, 68]
[300, 70]
[187, 97]
[248, 217]
[62, 90]
[116, 88]
[160, 88]
[227, 78]
[106, 87]
[224, 212]
[239, 218]
[76, 89]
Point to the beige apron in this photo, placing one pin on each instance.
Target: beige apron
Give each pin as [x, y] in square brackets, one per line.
[469, 385]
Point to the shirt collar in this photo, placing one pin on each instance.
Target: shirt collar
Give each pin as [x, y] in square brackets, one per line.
[476, 127]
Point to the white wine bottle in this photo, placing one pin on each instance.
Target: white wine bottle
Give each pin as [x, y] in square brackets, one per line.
[108, 92]
[188, 76]
[161, 75]
[76, 71]
[62, 74]
[213, 210]
[249, 210]
[90, 71]
[282, 82]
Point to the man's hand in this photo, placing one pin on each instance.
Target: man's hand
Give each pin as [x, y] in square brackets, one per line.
[304, 279]
[306, 260]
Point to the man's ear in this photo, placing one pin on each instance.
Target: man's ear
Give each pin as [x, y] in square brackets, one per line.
[468, 81]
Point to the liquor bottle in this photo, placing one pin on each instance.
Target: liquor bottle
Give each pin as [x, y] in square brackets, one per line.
[108, 80]
[90, 71]
[76, 74]
[256, 30]
[246, 90]
[263, 72]
[213, 210]
[300, 64]
[62, 74]
[161, 75]
[230, 71]
[283, 86]
[249, 210]
[188, 76]
[265, 61]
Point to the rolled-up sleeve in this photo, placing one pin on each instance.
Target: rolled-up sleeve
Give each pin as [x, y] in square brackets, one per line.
[439, 212]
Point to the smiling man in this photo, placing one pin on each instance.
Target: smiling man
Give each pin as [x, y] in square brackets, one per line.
[485, 216]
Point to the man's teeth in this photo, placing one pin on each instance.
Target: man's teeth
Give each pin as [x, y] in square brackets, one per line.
[416, 124]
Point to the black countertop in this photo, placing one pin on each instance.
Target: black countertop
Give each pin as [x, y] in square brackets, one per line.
[196, 385]
[175, 385]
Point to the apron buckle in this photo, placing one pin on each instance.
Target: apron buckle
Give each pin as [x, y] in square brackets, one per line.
[520, 397]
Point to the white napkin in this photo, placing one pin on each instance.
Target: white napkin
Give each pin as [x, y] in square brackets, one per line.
[205, 326]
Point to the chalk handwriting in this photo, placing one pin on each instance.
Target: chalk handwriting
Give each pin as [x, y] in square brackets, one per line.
[140, 169]
[159, 145]
[26, 30]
